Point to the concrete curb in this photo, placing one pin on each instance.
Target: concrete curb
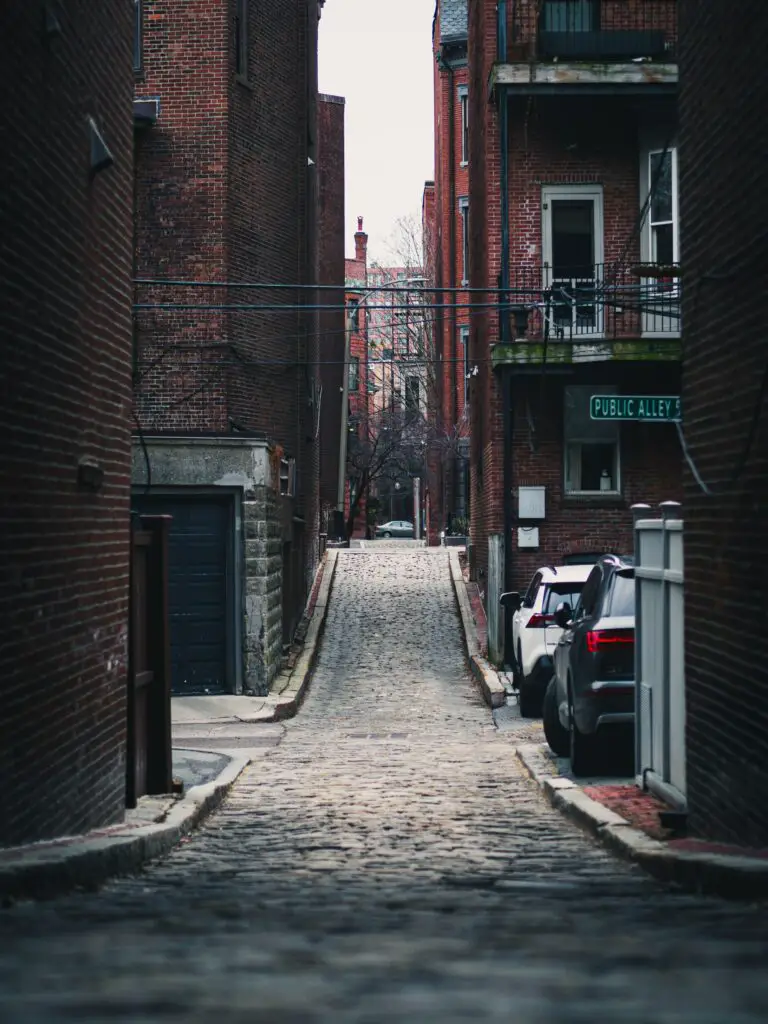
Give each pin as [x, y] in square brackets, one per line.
[740, 878]
[45, 870]
[486, 675]
[290, 698]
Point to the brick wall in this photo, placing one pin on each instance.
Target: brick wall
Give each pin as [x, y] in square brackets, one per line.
[650, 466]
[65, 317]
[226, 190]
[331, 271]
[725, 214]
[558, 140]
[451, 185]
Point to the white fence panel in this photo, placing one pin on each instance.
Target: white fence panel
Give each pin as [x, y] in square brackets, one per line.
[659, 653]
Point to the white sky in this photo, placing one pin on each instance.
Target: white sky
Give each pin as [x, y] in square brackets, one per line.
[378, 55]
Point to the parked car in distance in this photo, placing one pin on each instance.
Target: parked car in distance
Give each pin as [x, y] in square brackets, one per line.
[593, 687]
[534, 631]
[395, 528]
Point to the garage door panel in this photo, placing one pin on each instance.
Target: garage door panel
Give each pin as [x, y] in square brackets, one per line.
[197, 590]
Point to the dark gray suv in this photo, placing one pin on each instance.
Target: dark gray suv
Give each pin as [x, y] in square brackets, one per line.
[593, 688]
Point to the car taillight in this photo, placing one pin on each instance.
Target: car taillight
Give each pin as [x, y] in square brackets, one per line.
[599, 639]
[539, 621]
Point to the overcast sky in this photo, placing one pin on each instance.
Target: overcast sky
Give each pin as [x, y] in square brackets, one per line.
[377, 54]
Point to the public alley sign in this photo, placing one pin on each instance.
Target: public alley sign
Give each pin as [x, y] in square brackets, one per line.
[648, 408]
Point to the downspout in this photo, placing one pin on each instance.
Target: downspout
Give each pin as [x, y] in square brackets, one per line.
[504, 315]
[444, 66]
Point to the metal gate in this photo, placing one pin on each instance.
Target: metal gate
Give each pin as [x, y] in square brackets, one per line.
[659, 653]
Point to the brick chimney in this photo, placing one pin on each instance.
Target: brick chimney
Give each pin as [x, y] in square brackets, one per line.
[361, 243]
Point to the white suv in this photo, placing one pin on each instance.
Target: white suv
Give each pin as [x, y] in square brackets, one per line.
[534, 633]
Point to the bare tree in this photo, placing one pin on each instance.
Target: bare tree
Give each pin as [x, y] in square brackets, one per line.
[385, 445]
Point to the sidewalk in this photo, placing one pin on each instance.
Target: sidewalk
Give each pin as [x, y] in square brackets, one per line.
[475, 629]
[626, 820]
[288, 687]
[214, 740]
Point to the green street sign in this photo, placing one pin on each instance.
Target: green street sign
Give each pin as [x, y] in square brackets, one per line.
[648, 408]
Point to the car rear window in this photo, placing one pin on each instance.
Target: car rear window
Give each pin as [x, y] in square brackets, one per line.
[559, 592]
[622, 599]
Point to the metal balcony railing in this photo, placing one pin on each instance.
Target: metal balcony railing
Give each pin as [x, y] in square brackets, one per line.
[599, 30]
[590, 303]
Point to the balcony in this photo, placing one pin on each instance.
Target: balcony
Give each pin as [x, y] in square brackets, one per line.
[586, 43]
[605, 311]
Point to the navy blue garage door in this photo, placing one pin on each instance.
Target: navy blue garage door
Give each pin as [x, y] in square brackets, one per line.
[198, 556]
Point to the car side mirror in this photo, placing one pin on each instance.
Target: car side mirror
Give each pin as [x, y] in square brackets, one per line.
[563, 615]
[510, 600]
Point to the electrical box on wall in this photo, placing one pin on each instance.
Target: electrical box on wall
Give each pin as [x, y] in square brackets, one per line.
[527, 536]
[531, 503]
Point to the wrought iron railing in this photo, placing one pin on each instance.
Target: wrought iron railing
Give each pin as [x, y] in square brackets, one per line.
[602, 30]
[594, 302]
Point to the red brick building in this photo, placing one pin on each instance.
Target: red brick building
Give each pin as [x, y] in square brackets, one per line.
[332, 321]
[446, 230]
[725, 213]
[574, 225]
[65, 320]
[227, 385]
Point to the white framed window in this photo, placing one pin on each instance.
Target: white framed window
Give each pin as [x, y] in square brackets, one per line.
[354, 373]
[573, 253]
[660, 239]
[464, 336]
[464, 108]
[592, 449]
[288, 477]
[464, 214]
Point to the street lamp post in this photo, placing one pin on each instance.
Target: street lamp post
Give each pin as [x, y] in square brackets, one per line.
[342, 481]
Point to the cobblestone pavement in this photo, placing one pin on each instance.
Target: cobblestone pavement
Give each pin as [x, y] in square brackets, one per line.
[389, 861]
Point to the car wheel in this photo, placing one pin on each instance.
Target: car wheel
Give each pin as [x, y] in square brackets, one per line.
[583, 749]
[386, 534]
[528, 701]
[557, 737]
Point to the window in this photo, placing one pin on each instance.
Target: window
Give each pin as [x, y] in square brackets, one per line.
[354, 314]
[354, 373]
[411, 396]
[660, 242]
[138, 11]
[572, 246]
[464, 211]
[288, 477]
[588, 600]
[241, 38]
[622, 597]
[557, 593]
[464, 335]
[662, 175]
[530, 596]
[464, 105]
[571, 16]
[591, 446]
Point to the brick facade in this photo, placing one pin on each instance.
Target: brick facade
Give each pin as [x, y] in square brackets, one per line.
[444, 224]
[331, 272]
[65, 274]
[227, 191]
[561, 140]
[724, 211]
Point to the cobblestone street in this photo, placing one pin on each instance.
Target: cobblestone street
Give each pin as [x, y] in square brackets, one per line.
[389, 861]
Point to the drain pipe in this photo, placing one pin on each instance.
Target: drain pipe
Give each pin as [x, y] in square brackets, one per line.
[504, 315]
